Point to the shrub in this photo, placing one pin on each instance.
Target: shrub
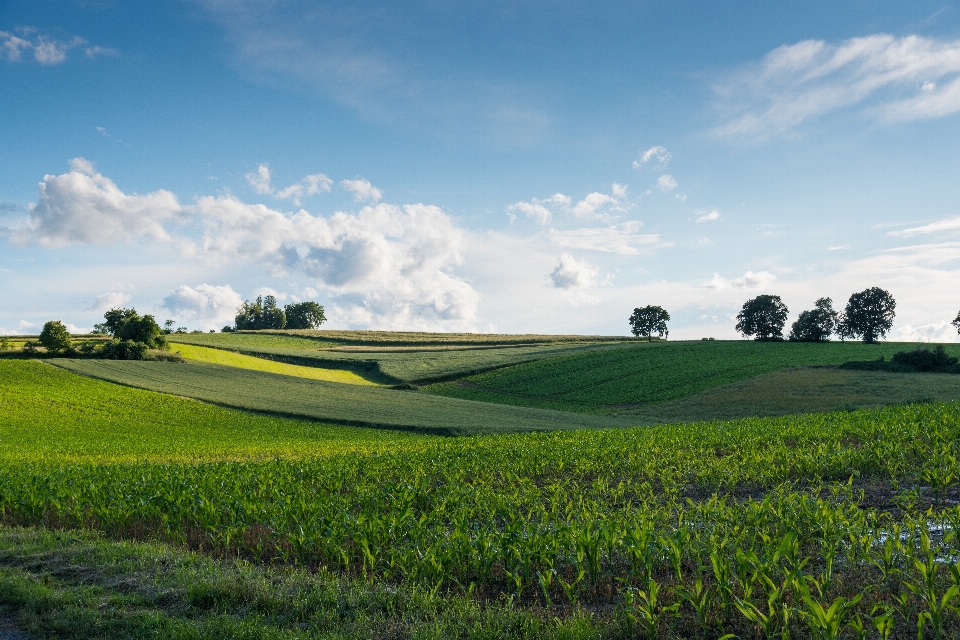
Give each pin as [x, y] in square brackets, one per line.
[54, 337]
[123, 350]
[921, 359]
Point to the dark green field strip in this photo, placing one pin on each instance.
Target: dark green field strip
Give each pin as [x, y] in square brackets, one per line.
[390, 367]
[607, 380]
[403, 338]
[329, 402]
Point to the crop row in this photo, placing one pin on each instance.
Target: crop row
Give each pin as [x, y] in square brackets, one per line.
[812, 525]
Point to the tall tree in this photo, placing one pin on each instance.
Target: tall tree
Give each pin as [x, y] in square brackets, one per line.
[127, 324]
[261, 314]
[304, 315]
[956, 323]
[763, 317]
[869, 314]
[817, 324]
[645, 321]
[55, 337]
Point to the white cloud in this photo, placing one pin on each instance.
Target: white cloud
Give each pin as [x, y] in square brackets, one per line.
[623, 239]
[267, 291]
[891, 78]
[260, 179]
[594, 206]
[707, 216]
[666, 183]
[661, 154]
[83, 206]
[749, 280]
[538, 209]
[107, 301]
[25, 327]
[935, 332]
[46, 50]
[388, 266]
[208, 306]
[75, 330]
[839, 248]
[309, 186]
[362, 190]
[572, 273]
[941, 225]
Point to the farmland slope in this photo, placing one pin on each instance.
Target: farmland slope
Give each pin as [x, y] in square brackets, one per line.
[606, 381]
[331, 402]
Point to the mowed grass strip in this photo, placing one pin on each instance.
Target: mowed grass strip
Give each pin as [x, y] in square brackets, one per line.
[637, 374]
[49, 414]
[330, 402]
[231, 359]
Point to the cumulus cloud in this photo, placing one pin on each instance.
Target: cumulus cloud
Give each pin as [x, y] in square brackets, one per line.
[208, 306]
[45, 50]
[362, 190]
[267, 291]
[934, 227]
[624, 239]
[666, 183]
[571, 273]
[82, 206]
[935, 332]
[661, 154]
[537, 209]
[388, 266]
[107, 301]
[260, 179]
[749, 280]
[25, 327]
[703, 215]
[893, 79]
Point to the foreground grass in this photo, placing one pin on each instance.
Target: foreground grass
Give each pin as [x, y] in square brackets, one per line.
[230, 359]
[78, 585]
[329, 402]
[635, 375]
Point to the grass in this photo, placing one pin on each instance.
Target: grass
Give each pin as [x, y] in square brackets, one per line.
[392, 360]
[801, 390]
[231, 359]
[331, 402]
[633, 375]
[507, 535]
[49, 414]
[406, 338]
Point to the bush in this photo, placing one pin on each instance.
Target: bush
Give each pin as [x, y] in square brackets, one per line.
[921, 359]
[55, 337]
[123, 350]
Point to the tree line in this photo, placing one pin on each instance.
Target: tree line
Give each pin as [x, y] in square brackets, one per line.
[868, 316]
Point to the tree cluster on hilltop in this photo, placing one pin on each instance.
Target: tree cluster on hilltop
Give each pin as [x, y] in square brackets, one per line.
[263, 313]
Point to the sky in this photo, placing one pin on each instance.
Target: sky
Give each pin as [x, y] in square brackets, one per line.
[510, 167]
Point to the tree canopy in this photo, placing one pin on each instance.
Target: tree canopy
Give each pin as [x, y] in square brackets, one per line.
[127, 324]
[815, 325]
[55, 337]
[304, 315]
[645, 321]
[956, 323]
[763, 317]
[260, 314]
[869, 314]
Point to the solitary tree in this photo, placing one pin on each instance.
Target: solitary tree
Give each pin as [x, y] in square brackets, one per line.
[262, 314]
[956, 322]
[815, 325]
[649, 320]
[869, 314]
[127, 324]
[763, 317]
[304, 315]
[55, 337]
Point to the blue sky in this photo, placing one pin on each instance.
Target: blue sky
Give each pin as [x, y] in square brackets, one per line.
[478, 166]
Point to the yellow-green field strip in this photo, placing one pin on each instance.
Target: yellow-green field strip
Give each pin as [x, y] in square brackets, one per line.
[231, 359]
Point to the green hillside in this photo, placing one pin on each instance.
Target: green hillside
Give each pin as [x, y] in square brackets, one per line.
[332, 402]
[635, 375]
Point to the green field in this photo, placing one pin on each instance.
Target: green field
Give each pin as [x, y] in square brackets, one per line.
[567, 533]
[812, 524]
[331, 402]
[635, 375]
[394, 361]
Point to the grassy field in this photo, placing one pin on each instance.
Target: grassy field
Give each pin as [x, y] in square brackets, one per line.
[405, 338]
[48, 414]
[392, 361]
[675, 531]
[640, 374]
[801, 390]
[232, 359]
[331, 402]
